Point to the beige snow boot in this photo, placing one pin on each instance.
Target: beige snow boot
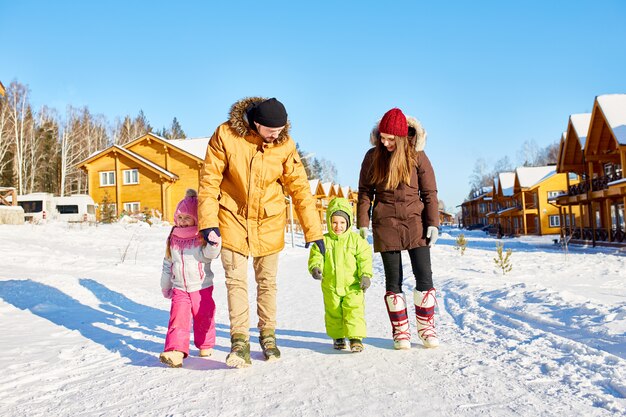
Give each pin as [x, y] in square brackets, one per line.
[205, 353]
[425, 302]
[396, 307]
[172, 358]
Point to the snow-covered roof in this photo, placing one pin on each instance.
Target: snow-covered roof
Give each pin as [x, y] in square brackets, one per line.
[145, 161]
[196, 147]
[327, 186]
[508, 209]
[614, 108]
[580, 123]
[346, 191]
[616, 182]
[530, 176]
[507, 182]
[313, 184]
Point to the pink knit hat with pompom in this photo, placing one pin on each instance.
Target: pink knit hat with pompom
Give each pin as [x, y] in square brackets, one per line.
[188, 205]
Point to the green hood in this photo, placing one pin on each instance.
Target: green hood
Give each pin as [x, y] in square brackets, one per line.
[336, 204]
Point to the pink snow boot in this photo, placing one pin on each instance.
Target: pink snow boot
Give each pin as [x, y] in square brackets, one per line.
[425, 302]
[396, 307]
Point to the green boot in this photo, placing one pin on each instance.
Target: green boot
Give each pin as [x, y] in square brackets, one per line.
[239, 356]
[267, 340]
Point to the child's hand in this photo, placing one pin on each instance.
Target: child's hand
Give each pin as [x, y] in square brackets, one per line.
[365, 282]
[167, 293]
[316, 273]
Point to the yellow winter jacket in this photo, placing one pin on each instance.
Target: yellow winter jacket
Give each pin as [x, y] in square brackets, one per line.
[243, 184]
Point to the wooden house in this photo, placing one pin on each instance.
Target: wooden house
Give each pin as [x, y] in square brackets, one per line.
[149, 173]
[601, 193]
[504, 205]
[533, 191]
[475, 209]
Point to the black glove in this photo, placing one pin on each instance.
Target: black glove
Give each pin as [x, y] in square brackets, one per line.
[320, 245]
[365, 282]
[316, 273]
[205, 234]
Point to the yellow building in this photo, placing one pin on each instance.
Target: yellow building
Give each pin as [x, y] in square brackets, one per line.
[152, 174]
[599, 157]
[2, 90]
[534, 191]
[149, 173]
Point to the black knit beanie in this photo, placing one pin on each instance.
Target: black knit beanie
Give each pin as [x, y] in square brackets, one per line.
[342, 214]
[270, 113]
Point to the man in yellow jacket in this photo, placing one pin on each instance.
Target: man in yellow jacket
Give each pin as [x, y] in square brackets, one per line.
[251, 162]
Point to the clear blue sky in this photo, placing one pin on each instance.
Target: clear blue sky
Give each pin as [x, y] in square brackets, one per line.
[483, 76]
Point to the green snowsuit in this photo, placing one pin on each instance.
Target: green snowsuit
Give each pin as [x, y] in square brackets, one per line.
[348, 257]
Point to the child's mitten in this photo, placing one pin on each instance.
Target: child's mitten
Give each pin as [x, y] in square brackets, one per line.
[167, 293]
[316, 273]
[365, 282]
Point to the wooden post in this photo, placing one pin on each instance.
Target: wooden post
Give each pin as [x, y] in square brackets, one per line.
[524, 213]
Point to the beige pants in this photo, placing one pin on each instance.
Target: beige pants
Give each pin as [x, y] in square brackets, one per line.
[236, 270]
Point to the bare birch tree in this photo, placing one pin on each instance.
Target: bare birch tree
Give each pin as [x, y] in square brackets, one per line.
[19, 108]
[5, 140]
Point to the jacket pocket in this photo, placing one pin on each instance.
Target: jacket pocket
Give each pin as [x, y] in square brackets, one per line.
[274, 208]
[231, 205]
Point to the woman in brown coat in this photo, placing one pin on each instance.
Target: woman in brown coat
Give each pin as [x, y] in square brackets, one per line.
[398, 192]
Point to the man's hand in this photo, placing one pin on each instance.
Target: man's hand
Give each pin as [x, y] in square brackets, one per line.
[364, 232]
[320, 245]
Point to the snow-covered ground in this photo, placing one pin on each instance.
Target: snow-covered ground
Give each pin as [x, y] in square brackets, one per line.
[83, 321]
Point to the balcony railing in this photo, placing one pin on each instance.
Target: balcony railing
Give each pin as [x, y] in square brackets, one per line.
[595, 184]
[599, 234]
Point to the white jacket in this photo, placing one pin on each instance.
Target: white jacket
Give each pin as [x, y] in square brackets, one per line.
[189, 269]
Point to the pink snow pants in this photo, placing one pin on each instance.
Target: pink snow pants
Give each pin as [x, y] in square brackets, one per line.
[198, 305]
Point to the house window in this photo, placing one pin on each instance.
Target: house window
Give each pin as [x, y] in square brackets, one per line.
[555, 221]
[552, 194]
[131, 176]
[131, 207]
[572, 176]
[107, 178]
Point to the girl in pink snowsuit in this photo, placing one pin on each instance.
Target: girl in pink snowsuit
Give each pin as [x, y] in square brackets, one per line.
[187, 280]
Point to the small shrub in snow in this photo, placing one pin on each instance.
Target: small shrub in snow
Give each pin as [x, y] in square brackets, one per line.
[503, 261]
[107, 209]
[460, 243]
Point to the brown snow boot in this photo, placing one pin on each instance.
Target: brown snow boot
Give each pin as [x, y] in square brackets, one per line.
[239, 356]
[267, 340]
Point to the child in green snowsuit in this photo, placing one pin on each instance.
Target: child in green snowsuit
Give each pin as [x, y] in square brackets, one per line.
[345, 271]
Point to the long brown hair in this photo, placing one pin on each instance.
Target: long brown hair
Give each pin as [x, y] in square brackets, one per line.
[393, 168]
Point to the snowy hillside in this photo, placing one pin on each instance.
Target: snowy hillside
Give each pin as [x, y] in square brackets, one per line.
[83, 321]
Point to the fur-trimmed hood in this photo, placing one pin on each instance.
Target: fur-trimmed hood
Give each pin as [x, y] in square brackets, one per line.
[238, 118]
[420, 137]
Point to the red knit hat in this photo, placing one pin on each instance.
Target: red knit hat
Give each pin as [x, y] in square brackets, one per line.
[394, 123]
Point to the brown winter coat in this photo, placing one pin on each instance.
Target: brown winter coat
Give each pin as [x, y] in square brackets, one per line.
[399, 217]
[242, 187]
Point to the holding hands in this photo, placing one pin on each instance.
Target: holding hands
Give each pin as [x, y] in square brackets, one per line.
[212, 235]
[167, 293]
[320, 245]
